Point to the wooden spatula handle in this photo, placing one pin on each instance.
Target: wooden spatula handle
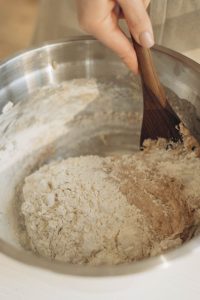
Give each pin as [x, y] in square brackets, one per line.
[148, 72]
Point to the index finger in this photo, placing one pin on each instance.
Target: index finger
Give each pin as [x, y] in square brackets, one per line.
[138, 21]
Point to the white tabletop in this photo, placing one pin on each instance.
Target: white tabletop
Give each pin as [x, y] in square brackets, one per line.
[175, 280]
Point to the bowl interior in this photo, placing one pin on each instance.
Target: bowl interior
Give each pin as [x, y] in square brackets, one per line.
[41, 127]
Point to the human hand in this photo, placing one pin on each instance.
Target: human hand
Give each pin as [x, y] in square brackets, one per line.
[100, 18]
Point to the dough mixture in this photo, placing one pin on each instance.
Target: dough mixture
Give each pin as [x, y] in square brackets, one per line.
[115, 209]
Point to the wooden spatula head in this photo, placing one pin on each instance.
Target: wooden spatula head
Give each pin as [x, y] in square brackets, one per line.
[159, 119]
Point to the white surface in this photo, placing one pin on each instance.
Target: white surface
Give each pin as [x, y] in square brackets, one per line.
[193, 54]
[177, 281]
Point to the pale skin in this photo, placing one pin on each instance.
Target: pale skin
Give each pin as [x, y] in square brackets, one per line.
[100, 18]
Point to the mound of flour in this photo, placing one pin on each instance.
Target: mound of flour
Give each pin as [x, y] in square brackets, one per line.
[116, 209]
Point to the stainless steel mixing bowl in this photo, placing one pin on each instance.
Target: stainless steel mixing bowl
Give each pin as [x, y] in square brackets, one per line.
[85, 57]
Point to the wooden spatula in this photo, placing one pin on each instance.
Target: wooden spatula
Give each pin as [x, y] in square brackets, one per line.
[159, 119]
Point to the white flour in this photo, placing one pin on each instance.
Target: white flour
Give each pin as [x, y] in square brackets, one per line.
[80, 117]
[75, 214]
[112, 210]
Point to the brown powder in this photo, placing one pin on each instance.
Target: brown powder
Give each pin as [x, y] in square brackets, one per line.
[115, 209]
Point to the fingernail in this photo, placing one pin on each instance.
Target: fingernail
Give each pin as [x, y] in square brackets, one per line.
[146, 39]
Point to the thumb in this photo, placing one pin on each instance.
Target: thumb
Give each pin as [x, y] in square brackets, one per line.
[138, 21]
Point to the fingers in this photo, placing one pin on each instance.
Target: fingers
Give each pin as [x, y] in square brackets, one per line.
[99, 19]
[138, 21]
[111, 35]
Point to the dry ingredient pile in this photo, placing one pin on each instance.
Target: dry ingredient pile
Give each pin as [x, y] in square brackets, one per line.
[116, 209]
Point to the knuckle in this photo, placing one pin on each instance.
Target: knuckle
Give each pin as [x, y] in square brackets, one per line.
[138, 21]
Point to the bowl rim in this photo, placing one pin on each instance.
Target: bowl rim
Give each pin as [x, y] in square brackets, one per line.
[29, 259]
[38, 47]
